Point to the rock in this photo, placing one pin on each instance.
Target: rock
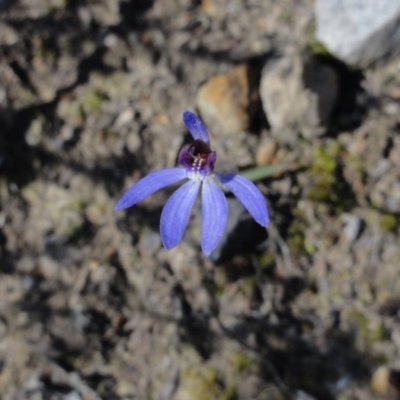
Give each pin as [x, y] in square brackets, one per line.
[227, 103]
[8, 35]
[265, 151]
[380, 380]
[384, 173]
[33, 135]
[300, 395]
[298, 94]
[352, 228]
[225, 100]
[74, 395]
[149, 242]
[124, 118]
[386, 193]
[359, 32]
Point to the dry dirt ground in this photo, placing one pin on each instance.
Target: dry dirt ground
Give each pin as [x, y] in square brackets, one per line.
[92, 306]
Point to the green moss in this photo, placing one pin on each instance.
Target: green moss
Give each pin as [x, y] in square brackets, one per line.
[266, 261]
[312, 44]
[220, 290]
[309, 247]
[230, 393]
[78, 204]
[370, 332]
[360, 321]
[379, 333]
[325, 157]
[42, 49]
[287, 17]
[93, 100]
[316, 47]
[388, 222]
[206, 384]
[324, 185]
[241, 362]
[296, 240]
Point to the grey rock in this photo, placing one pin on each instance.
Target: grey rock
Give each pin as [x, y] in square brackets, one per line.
[352, 228]
[359, 32]
[8, 35]
[300, 395]
[386, 192]
[298, 94]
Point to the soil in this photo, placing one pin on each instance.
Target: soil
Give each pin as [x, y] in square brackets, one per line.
[93, 307]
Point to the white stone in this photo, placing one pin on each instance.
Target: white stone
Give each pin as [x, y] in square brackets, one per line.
[359, 32]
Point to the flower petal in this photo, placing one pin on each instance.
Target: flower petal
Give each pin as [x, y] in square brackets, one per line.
[195, 126]
[148, 185]
[176, 212]
[249, 195]
[215, 215]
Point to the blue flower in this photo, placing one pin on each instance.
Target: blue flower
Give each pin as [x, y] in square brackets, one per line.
[198, 165]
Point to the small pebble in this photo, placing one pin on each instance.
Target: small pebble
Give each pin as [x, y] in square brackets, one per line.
[352, 228]
[380, 380]
[266, 151]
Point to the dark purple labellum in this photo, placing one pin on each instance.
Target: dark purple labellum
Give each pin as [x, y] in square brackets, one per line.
[199, 149]
[198, 157]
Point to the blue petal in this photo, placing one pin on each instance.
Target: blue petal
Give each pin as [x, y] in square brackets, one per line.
[195, 126]
[249, 195]
[176, 212]
[148, 185]
[215, 215]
